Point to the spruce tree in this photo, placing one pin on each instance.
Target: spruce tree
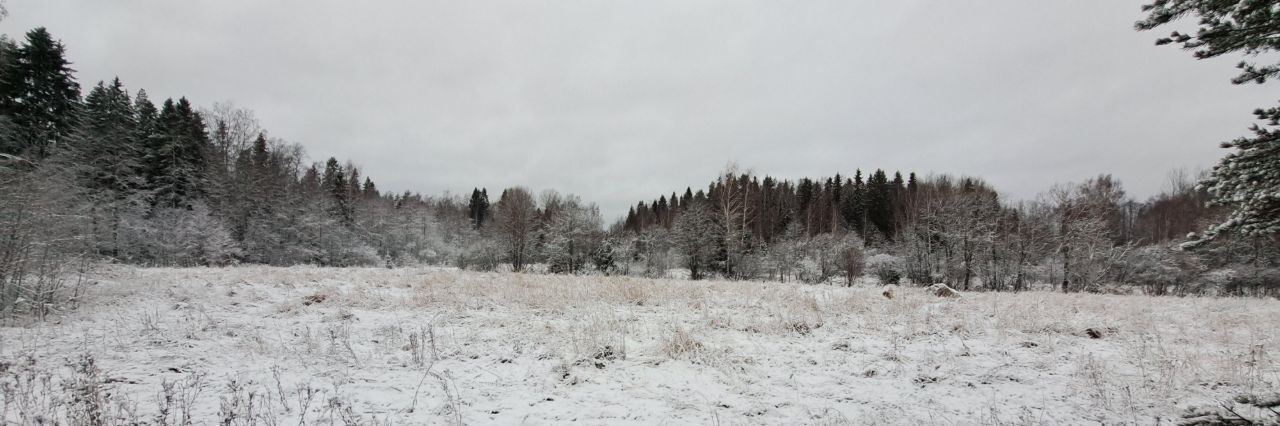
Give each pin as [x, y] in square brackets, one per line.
[174, 161]
[145, 116]
[1248, 179]
[39, 94]
[473, 208]
[805, 194]
[311, 182]
[353, 190]
[661, 212]
[478, 207]
[483, 213]
[8, 131]
[859, 204]
[630, 223]
[879, 201]
[849, 205]
[334, 184]
[370, 190]
[107, 147]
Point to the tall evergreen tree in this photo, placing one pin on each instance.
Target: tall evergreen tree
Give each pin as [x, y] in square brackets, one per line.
[879, 202]
[8, 131]
[145, 117]
[334, 184]
[108, 149]
[174, 159]
[1248, 179]
[39, 94]
[858, 205]
[369, 191]
[310, 182]
[353, 191]
[478, 208]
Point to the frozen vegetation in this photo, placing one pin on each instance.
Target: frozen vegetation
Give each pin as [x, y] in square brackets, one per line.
[265, 345]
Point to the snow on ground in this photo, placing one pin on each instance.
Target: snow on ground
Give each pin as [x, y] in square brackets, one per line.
[268, 346]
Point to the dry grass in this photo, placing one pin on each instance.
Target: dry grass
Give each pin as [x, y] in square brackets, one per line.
[768, 351]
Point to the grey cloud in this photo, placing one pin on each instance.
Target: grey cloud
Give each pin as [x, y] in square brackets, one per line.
[621, 101]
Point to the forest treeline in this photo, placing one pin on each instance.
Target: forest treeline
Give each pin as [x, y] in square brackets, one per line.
[1089, 236]
[108, 174]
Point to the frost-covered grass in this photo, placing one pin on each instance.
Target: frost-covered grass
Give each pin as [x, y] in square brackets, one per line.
[270, 346]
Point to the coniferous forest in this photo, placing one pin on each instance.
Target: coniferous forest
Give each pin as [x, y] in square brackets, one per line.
[103, 171]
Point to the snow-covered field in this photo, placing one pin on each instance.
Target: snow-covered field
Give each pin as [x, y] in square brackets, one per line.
[428, 346]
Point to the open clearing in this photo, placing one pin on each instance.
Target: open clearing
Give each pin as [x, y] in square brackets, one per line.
[266, 345]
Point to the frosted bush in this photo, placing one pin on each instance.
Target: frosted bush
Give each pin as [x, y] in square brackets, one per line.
[886, 267]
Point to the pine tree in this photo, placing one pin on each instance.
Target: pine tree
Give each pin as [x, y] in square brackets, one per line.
[1248, 179]
[39, 93]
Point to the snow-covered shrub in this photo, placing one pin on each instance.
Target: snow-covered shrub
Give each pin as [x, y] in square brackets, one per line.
[604, 257]
[809, 271]
[750, 265]
[1251, 281]
[1157, 269]
[886, 267]
[572, 237]
[1213, 281]
[679, 344]
[480, 256]
[820, 259]
[850, 257]
[354, 254]
[180, 237]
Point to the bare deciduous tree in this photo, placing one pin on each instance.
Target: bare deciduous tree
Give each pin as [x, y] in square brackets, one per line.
[516, 218]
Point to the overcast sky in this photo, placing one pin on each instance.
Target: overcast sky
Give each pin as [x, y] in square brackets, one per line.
[622, 101]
